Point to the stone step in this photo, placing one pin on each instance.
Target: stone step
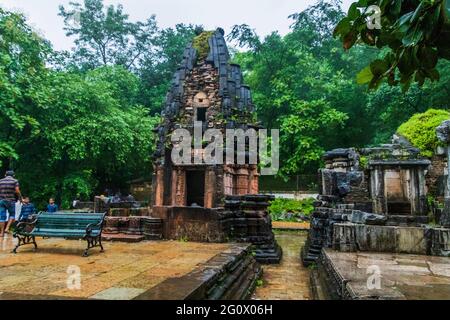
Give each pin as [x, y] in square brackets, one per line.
[122, 237]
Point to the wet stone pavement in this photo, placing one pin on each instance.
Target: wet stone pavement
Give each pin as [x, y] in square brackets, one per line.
[289, 280]
[123, 271]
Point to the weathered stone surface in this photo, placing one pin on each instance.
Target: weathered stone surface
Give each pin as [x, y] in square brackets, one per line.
[443, 131]
[135, 266]
[367, 218]
[286, 280]
[132, 229]
[440, 242]
[243, 219]
[344, 276]
[349, 237]
[231, 275]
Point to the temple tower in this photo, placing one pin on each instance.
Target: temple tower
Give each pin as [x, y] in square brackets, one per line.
[218, 201]
[206, 89]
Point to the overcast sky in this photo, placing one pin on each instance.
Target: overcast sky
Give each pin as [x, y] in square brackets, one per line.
[263, 15]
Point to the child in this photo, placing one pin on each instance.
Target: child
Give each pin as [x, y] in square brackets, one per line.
[52, 207]
[28, 209]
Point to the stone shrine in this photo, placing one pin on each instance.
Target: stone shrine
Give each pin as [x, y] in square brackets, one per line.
[374, 200]
[210, 202]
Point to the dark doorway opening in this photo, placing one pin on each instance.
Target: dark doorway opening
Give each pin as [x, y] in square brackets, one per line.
[201, 114]
[195, 187]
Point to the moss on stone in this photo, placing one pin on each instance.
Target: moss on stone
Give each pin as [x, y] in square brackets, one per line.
[201, 44]
[420, 130]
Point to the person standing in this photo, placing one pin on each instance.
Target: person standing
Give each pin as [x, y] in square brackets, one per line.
[52, 207]
[9, 189]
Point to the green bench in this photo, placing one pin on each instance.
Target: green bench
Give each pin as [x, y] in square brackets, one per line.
[86, 226]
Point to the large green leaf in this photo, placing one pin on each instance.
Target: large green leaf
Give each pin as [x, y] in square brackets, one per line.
[364, 76]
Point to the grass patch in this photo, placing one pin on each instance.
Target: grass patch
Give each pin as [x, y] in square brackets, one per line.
[290, 209]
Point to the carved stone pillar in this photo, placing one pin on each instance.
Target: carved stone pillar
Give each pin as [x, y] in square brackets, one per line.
[159, 189]
[443, 133]
[242, 181]
[179, 187]
[253, 185]
[210, 186]
[377, 190]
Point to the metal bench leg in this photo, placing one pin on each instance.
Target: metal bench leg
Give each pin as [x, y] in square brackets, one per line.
[100, 243]
[91, 243]
[24, 240]
[34, 243]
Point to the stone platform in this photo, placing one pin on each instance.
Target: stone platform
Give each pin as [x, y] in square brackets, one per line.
[344, 275]
[127, 271]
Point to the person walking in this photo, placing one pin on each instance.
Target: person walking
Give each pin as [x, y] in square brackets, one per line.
[9, 189]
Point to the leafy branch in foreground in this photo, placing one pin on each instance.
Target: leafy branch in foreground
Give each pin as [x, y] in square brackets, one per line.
[414, 35]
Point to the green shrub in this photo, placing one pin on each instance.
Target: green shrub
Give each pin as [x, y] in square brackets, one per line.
[420, 130]
[364, 162]
[280, 206]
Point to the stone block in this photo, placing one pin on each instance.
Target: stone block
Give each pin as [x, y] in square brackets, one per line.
[411, 240]
[440, 242]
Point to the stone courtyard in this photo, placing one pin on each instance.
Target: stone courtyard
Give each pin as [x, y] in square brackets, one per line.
[379, 228]
[123, 271]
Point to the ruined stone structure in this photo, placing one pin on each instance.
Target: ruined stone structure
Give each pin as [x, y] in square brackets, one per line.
[209, 90]
[372, 203]
[374, 200]
[193, 200]
[443, 133]
[387, 180]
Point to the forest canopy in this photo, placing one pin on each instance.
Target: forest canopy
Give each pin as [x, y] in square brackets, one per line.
[75, 122]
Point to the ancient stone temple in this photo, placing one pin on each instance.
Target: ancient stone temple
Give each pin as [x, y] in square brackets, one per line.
[210, 202]
[374, 200]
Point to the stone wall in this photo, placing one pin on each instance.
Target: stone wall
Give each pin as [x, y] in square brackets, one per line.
[350, 230]
[435, 178]
[231, 275]
[350, 237]
[243, 219]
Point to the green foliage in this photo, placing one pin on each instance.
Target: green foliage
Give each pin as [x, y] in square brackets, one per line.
[67, 133]
[420, 130]
[414, 33]
[201, 44]
[301, 85]
[364, 162]
[281, 206]
[301, 132]
[105, 36]
[22, 70]
[85, 122]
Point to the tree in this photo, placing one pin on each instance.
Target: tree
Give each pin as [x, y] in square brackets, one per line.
[388, 107]
[91, 137]
[22, 71]
[157, 68]
[105, 36]
[67, 133]
[414, 35]
[301, 134]
[290, 90]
